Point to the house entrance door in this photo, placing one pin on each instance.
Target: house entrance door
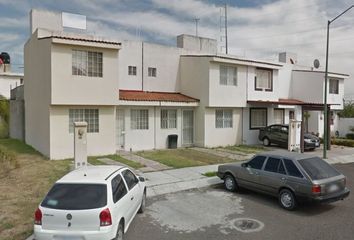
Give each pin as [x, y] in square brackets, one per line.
[188, 127]
[120, 129]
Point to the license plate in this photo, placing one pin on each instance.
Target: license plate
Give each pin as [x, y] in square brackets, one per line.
[68, 238]
[317, 144]
[333, 188]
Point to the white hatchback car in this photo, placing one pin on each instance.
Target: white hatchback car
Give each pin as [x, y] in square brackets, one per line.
[91, 203]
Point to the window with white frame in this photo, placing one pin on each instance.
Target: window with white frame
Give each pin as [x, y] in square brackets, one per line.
[333, 86]
[258, 118]
[132, 70]
[91, 116]
[228, 75]
[264, 80]
[87, 63]
[152, 72]
[168, 118]
[278, 116]
[223, 118]
[139, 119]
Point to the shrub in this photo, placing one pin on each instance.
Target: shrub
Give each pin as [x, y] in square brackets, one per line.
[8, 161]
[350, 136]
[343, 142]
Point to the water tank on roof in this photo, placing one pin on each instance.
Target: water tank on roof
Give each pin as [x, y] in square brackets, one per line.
[5, 57]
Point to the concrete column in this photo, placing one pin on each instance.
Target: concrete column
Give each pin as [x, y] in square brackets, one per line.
[80, 144]
[294, 141]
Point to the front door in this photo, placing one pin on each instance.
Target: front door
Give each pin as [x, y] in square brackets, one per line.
[120, 129]
[187, 127]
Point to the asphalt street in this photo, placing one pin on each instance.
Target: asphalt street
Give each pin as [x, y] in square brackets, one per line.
[213, 213]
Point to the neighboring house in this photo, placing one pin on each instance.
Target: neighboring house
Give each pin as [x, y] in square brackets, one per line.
[8, 81]
[133, 95]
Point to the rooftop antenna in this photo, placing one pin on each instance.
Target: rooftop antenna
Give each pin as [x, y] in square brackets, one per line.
[196, 26]
[223, 29]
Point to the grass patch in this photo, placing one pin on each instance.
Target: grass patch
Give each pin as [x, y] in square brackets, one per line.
[246, 148]
[93, 160]
[209, 174]
[24, 187]
[130, 163]
[183, 157]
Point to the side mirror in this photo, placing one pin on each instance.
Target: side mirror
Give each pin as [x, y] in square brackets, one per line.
[141, 179]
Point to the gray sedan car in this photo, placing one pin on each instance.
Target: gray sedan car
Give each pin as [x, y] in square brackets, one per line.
[292, 177]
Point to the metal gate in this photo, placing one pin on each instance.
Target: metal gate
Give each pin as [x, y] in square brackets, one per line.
[120, 129]
[187, 127]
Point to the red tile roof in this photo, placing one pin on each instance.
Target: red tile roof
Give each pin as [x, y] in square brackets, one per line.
[82, 39]
[132, 95]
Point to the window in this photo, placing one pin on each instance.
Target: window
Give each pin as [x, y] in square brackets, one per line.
[139, 119]
[258, 118]
[264, 80]
[168, 118]
[72, 196]
[118, 188]
[292, 169]
[132, 70]
[223, 118]
[86, 63]
[256, 162]
[130, 179]
[318, 169]
[333, 86]
[279, 116]
[84, 115]
[151, 72]
[228, 75]
[274, 165]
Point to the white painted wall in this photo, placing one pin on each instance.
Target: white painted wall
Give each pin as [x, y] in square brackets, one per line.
[68, 89]
[215, 137]
[284, 81]
[8, 82]
[37, 93]
[344, 125]
[62, 141]
[227, 95]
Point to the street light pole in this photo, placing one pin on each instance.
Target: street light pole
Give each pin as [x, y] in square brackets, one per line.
[325, 110]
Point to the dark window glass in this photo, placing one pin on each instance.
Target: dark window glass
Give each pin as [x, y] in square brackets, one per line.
[118, 188]
[76, 196]
[272, 165]
[130, 179]
[292, 169]
[318, 169]
[281, 169]
[256, 162]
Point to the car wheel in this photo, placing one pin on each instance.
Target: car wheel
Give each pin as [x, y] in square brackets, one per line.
[287, 199]
[120, 232]
[230, 183]
[266, 141]
[143, 203]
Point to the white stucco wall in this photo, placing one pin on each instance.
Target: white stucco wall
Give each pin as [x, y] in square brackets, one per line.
[227, 95]
[215, 137]
[254, 95]
[344, 125]
[37, 93]
[8, 82]
[69, 89]
[62, 141]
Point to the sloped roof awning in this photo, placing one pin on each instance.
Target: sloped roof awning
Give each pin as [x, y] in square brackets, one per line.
[286, 101]
[133, 97]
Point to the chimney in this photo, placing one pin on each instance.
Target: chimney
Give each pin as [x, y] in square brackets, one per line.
[199, 44]
[287, 57]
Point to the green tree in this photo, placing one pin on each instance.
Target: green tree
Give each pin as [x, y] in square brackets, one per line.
[4, 117]
[348, 110]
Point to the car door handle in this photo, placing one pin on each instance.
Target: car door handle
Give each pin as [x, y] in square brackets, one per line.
[132, 198]
[283, 178]
[256, 173]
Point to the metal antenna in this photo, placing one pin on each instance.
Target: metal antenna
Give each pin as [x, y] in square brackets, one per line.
[196, 26]
[227, 50]
[223, 29]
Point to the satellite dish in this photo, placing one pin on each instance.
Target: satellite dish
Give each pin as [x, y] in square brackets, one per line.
[316, 63]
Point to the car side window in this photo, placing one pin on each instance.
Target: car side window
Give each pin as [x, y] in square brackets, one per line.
[130, 178]
[272, 164]
[257, 162]
[281, 168]
[292, 169]
[118, 188]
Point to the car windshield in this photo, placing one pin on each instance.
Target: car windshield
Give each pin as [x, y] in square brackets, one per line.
[76, 196]
[318, 169]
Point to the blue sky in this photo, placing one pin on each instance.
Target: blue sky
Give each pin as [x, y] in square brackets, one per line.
[257, 28]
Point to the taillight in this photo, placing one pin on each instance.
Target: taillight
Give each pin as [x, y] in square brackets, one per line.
[316, 189]
[38, 217]
[105, 218]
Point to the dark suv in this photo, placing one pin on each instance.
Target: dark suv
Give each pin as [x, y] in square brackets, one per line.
[278, 134]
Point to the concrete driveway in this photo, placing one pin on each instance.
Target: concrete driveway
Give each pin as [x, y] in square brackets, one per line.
[213, 213]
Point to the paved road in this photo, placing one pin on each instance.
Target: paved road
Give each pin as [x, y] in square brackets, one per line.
[213, 213]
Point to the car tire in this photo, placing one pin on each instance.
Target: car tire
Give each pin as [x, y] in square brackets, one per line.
[266, 141]
[287, 199]
[143, 203]
[120, 231]
[230, 183]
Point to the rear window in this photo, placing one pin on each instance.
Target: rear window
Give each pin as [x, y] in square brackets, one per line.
[76, 196]
[318, 169]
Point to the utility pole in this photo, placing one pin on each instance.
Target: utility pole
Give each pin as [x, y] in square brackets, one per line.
[196, 26]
